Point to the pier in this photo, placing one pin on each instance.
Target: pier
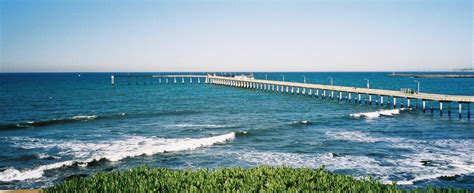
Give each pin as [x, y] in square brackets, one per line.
[388, 98]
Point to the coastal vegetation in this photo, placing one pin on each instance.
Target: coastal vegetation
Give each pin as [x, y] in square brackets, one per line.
[257, 179]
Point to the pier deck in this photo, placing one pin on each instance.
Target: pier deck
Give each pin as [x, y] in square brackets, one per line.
[381, 92]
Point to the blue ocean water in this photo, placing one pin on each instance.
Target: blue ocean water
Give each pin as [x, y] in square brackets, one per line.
[57, 125]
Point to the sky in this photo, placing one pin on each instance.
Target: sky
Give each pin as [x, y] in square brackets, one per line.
[245, 36]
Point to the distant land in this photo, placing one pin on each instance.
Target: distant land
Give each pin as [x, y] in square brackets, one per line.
[464, 70]
[434, 75]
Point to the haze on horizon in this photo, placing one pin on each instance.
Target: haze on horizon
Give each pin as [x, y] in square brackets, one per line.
[320, 35]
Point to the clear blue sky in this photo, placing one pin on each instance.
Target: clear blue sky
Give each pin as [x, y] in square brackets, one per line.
[149, 35]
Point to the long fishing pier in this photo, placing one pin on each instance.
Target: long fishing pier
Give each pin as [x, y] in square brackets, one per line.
[391, 98]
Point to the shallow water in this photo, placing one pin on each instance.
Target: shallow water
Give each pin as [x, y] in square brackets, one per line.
[55, 125]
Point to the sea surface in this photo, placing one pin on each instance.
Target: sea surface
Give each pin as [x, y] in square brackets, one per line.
[57, 125]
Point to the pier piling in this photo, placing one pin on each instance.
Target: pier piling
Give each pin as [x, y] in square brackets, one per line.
[424, 105]
[440, 108]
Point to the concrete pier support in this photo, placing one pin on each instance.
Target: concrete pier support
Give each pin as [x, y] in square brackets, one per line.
[394, 102]
[167, 81]
[297, 90]
[199, 80]
[310, 92]
[381, 100]
[349, 97]
[408, 103]
[324, 94]
[468, 111]
[370, 99]
[359, 98]
[277, 88]
[332, 95]
[273, 88]
[112, 80]
[440, 108]
[303, 92]
[282, 89]
[460, 109]
[449, 109]
[431, 107]
[159, 80]
[423, 105]
[287, 88]
[317, 93]
[340, 96]
[190, 80]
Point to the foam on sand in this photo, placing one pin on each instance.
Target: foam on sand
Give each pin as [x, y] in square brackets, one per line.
[113, 151]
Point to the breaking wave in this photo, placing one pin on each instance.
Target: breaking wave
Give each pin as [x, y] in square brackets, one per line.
[185, 125]
[376, 114]
[86, 153]
[84, 118]
[359, 136]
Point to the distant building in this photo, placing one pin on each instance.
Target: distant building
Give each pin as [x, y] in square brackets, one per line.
[244, 76]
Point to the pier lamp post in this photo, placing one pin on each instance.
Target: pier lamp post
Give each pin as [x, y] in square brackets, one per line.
[368, 83]
[418, 86]
[332, 80]
[304, 79]
[266, 77]
[283, 76]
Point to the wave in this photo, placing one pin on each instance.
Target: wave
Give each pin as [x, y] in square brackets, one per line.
[84, 118]
[87, 153]
[426, 159]
[423, 160]
[301, 123]
[331, 161]
[185, 125]
[376, 114]
[359, 136]
[363, 166]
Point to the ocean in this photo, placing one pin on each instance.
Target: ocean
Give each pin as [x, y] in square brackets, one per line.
[57, 125]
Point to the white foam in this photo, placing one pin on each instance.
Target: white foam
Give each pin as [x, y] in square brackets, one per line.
[185, 125]
[12, 174]
[113, 151]
[84, 117]
[358, 136]
[425, 160]
[46, 156]
[330, 161]
[376, 114]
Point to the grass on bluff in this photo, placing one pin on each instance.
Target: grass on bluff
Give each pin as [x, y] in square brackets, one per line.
[257, 179]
